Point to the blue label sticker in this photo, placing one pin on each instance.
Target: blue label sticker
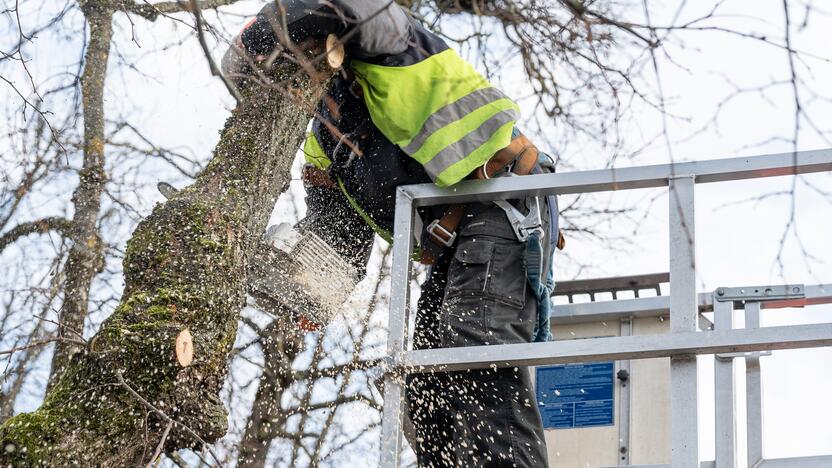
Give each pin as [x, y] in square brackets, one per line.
[576, 395]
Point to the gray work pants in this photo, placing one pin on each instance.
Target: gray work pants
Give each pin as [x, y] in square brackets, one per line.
[477, 294]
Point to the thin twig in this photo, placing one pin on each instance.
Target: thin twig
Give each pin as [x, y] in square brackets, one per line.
[161, 445]
[164, 416]
[42, 342]
[213, 65]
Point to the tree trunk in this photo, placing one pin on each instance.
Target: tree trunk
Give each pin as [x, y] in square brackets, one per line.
[185, 269]
[86, 257]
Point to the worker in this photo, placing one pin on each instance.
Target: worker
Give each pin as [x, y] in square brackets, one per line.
[407, 109]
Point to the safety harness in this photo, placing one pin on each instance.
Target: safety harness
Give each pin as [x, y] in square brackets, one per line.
[528, 228]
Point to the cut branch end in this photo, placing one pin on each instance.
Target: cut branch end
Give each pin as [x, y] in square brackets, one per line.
[334, 51]
[184, 348]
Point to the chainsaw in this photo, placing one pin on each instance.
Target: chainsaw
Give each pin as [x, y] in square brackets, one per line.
[295, 271]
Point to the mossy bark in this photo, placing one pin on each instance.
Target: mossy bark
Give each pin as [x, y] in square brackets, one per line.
[185, 268]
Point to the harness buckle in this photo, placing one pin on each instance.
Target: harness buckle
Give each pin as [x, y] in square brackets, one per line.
[523, 225]
[528, 230]
[434, 228]
[523, 232]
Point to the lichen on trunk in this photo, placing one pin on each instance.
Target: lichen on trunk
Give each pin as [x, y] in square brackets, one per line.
[185, 268]
[86, 256]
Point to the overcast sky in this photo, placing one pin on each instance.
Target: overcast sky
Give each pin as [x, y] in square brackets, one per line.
[736, 246]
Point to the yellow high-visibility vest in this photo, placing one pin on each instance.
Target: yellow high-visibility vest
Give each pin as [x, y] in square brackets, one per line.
[440, 111]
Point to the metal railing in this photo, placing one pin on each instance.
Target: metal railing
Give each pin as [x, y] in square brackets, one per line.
[681, 345]
[614, 285]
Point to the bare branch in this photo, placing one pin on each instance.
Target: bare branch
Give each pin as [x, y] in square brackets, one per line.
[211, 63]
[152, 11]
[42, 342]
[40, 226]
[164, 416]
[161, 445]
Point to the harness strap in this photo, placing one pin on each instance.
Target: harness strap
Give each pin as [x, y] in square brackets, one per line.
[523, 225]
[383, 233]
[441, 233]
[542, 283]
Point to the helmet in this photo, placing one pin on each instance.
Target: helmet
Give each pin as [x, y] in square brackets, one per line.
[293, 10]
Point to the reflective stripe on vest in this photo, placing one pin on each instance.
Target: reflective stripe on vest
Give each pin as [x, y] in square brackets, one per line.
[440, 111]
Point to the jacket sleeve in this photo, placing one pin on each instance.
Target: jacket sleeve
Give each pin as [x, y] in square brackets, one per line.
[369, 28]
